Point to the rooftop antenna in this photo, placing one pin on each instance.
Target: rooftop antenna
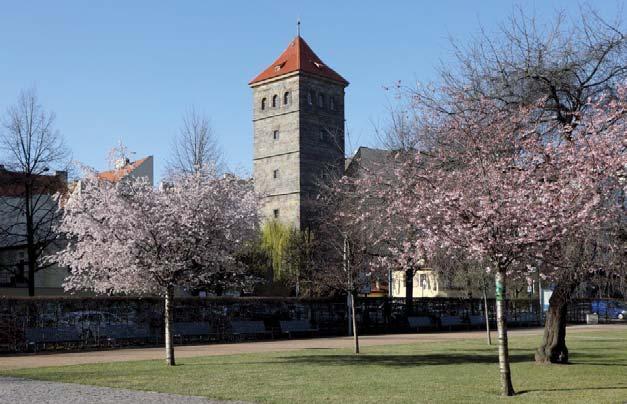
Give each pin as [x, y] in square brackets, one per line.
[298, 27]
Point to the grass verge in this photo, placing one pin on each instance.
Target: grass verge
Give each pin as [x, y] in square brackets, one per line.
[442, 372]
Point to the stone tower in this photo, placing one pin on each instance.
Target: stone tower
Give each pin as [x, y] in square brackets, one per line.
[298, 121]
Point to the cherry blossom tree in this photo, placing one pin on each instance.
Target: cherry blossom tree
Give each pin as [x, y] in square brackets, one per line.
[372, 188]
[347, 257]
[495, 185]
[588, 250]
[129, 238]
[564, 60]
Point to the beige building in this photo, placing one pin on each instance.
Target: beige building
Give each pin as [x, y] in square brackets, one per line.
[426, 284]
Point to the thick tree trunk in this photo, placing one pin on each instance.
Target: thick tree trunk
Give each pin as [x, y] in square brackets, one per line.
[486, 315]
[501, 321]
[354, 318]
[168, 317]
[553, 348]
[409, 291]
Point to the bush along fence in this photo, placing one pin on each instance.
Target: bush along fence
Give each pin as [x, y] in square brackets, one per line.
[50, 323]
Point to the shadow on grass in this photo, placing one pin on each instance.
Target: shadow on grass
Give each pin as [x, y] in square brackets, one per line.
[581, 338]
[521, 392]
[402, 360]
[577, 363]
[449, 357]
[432, 359]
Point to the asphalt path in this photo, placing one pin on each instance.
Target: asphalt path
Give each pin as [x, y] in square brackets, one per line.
[24, 391]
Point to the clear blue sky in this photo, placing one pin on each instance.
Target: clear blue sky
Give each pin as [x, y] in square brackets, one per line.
[129, 69]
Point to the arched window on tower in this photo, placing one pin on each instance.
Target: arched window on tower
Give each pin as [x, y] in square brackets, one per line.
[321, 100]
[309, 98]
[263, 103]
[332, 104]
[287, 98]
[275, 101]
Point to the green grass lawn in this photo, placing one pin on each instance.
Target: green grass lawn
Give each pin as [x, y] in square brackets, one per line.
[464, 371]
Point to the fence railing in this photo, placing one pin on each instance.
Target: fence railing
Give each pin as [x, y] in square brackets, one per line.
[49, 323]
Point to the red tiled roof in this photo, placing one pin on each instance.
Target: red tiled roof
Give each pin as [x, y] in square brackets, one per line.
[298, 57]
[116, 175]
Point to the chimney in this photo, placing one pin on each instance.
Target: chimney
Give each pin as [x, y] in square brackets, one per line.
[62, 175]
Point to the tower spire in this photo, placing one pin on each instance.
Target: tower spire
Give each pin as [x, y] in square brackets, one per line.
[298, 27]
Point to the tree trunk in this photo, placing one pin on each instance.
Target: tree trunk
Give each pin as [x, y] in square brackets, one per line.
[486, 315]
[30, 240]
[297, 285]
[501, 321]
[553, 348]
[349, 314]
[30, 250]
[355, 334]
[409, 291]
[169, 340]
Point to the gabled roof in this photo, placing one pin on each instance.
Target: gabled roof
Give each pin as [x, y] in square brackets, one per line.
[298, 57]
[118, 174]
[373, 160]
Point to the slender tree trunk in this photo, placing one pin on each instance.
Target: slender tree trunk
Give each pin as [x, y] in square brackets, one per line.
[30, 240]
[349, 314]
[486, 315]
[409, 291]
[501, 321]
[553, 348]
[349, 283]
[30, 250]
[355, 333]
[298, 285]
[169, 340]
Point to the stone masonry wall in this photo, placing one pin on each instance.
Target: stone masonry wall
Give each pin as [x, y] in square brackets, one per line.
[282, 153]
[310, 141]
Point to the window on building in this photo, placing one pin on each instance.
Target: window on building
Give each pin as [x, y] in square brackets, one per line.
[275, 135]
[276, 213]
[321, 100]
[5, 278]
[323, 135]
[332, 104]
[287, 97]
[275, 101]
[275, 173]
[309, 98]
[263, 103]
[425, 282]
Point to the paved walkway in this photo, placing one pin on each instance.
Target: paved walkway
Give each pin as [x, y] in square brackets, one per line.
[23, 391]
[186, 351]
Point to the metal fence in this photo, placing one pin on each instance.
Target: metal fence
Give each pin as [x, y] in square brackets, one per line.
[51, 323]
